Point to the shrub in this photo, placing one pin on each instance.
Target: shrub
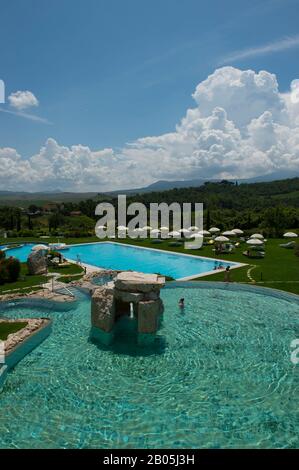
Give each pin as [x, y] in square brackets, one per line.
[3, 273]
[297, 249]
[77, 234]
[12, 234]
[13, 267]
[2, 255]
[27, 233]
[175, 243]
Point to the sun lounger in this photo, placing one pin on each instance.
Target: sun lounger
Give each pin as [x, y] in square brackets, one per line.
[254, 254]
[288, 245]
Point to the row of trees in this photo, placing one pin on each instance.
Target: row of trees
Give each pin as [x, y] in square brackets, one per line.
[272, 207]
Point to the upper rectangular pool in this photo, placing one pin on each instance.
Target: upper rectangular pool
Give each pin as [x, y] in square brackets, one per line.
[111, 255]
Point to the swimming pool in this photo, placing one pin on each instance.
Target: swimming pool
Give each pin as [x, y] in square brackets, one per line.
[111, 255]
[22, 252]
[118, 256]
[220, 376]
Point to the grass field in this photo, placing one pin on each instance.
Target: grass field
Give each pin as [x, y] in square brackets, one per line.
[279, 269]
[31, 283]
[27, 283]
[71, 270]
[24, 283]
[68, 273]
[8, 328]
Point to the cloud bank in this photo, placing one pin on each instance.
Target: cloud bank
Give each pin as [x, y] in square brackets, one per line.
[240, 127]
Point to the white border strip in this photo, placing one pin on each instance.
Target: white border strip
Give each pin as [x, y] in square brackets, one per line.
[235, 264]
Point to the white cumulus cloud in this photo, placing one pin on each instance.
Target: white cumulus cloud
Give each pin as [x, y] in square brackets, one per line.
[22, 100]
[241, 126]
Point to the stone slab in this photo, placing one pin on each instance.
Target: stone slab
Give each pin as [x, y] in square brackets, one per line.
[133, 281]
[129, 297]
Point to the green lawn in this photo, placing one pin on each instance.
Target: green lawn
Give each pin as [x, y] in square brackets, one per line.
[31, 283]
[68, 279]
[25, 281]
[8, 328]
[73, 269]
[279, 269]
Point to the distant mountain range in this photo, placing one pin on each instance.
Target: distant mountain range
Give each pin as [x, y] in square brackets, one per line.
[22, 198]
[163, 185]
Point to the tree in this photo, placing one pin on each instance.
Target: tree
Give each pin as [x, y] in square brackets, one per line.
[33, 208]
[208, 220]
[56, 220]
[30, 226]
[18, 220]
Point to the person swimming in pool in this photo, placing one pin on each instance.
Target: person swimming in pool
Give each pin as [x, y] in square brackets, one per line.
[227, 274]
[182, 303]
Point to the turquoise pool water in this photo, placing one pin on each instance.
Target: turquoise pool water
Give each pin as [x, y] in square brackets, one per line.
[21, 252]
[116, 256]
[220, 376]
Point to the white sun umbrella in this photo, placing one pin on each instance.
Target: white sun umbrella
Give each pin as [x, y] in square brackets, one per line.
[229, 233]
[192, 238]
[164, 231]
[193, 228]
[238, 231]
[155, 231]
[290, 235]
[196, 235]
[185, 231]
[174, 234]
[147, 227]
[221, 238]
[39, 247]
[205, 233]
[122, 227]
[137, 232]
[255, 241]
[214, 230]
[257, 236]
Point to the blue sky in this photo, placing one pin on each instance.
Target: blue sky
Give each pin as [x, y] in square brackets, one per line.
[109, 72]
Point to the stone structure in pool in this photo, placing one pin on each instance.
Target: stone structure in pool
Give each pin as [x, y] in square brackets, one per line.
[131, 296]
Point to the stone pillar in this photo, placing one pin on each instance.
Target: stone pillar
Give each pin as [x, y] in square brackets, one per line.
[148, 315]
[103, 309]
